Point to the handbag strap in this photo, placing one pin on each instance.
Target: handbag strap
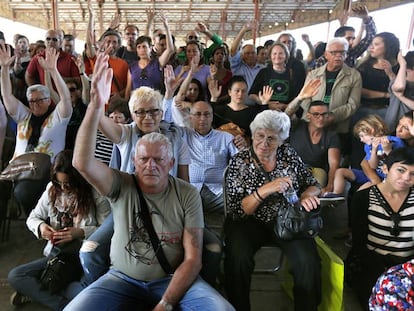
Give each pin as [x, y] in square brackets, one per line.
[259, 165]
[146, 218]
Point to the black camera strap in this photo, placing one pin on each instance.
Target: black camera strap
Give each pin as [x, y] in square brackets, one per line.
[146, 218]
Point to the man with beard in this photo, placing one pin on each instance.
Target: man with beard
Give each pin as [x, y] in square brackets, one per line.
[129, 52]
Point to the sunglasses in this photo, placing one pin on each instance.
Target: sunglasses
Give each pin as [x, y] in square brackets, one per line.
[395, 229]
[193, 38]
[72, 89]
[53, 39]
[143, 75]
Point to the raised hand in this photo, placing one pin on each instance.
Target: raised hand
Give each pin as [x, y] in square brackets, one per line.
[266, 94]
[150, 14]
[49, 63]
[101, 81]
[115, 22]
[214, 88]
[163, 19]
[360, 11]
[5, 56]
[201, 27]
[171, 81]
[310, 89]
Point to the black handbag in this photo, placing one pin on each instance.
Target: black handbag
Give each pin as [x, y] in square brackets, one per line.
[294, 222]
[63, 267]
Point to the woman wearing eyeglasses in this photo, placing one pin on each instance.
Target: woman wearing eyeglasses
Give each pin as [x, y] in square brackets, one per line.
[382, 224]
[147, 70]
[69, 209]
[256, 181]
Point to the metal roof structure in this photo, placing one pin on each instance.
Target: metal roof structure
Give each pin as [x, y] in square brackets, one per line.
[225, 17]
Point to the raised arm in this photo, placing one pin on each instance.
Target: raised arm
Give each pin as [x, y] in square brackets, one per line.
[11, 103]
[235, 45]
[150, 21]
[90, 33]
[169, 51]
[309, 90]
[49, 64]
[400, 80]
[3, 126]
[99, 175]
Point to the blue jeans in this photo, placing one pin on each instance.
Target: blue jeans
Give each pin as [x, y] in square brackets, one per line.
[25, 280]
[116, 291]
[94, 256]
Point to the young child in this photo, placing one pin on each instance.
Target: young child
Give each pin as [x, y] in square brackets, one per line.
[371, 131]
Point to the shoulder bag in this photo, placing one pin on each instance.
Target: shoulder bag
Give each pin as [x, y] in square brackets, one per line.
[146, 218]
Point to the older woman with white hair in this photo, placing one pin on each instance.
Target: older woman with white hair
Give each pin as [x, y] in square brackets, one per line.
[256, 181]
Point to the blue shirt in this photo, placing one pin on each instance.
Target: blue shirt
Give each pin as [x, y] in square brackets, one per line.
[210, 155]
[240, 68]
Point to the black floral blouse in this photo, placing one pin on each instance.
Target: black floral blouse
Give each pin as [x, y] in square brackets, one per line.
[244, 177]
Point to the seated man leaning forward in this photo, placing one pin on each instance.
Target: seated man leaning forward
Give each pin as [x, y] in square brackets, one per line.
[136, 280]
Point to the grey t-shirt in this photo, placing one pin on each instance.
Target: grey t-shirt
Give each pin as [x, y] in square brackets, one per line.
[178, 207]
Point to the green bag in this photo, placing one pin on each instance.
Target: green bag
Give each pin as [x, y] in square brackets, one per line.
[332, 279]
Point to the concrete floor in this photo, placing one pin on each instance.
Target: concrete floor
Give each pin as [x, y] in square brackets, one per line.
[266, 294]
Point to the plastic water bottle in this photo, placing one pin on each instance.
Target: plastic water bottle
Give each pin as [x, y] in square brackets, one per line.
[291, 196]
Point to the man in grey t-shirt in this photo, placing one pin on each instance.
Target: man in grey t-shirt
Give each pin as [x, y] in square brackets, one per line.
[136, 279]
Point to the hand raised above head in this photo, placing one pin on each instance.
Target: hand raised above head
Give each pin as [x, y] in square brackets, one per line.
[5, 56]
[310, 89]
[101, 81]
[360, 11]
[49, 63]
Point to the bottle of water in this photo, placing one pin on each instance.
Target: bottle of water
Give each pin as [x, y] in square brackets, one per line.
[291, 196]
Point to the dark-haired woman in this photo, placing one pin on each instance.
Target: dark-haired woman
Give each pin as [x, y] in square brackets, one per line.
[69, 209]
[376, 72]
[195, 62]
[382, 224]
[148, 70]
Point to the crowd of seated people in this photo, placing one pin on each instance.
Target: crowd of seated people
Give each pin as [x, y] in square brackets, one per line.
[217, 105]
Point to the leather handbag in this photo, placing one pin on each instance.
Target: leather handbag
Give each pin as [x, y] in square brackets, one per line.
[294, 222]
[28, 166]
[63, 267]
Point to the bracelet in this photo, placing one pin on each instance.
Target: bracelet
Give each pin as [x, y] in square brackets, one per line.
[258, 195]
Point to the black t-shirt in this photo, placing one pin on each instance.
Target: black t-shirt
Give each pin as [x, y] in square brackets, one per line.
[330, 81]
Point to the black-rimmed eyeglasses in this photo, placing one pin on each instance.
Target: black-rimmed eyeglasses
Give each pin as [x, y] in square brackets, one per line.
[142, 113]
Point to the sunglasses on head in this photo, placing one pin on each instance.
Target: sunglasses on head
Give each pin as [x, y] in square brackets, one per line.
[193, 38]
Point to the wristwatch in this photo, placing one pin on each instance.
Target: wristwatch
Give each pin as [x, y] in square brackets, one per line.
[167, 306]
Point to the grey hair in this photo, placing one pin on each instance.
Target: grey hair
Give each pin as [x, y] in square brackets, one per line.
[38, 88]
[156, 137]
[144, 94]
[339, 40]
[272, 120]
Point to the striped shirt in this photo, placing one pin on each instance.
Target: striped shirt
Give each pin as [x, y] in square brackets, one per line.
[390, 232]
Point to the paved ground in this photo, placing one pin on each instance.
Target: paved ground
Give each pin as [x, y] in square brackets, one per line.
[267, 293]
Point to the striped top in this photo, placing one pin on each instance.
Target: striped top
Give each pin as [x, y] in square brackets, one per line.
[390, 232]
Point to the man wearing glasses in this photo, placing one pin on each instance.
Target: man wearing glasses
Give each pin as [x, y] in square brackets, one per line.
[65, 64]
[42, 126]
[340, 90]
[317, 145]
